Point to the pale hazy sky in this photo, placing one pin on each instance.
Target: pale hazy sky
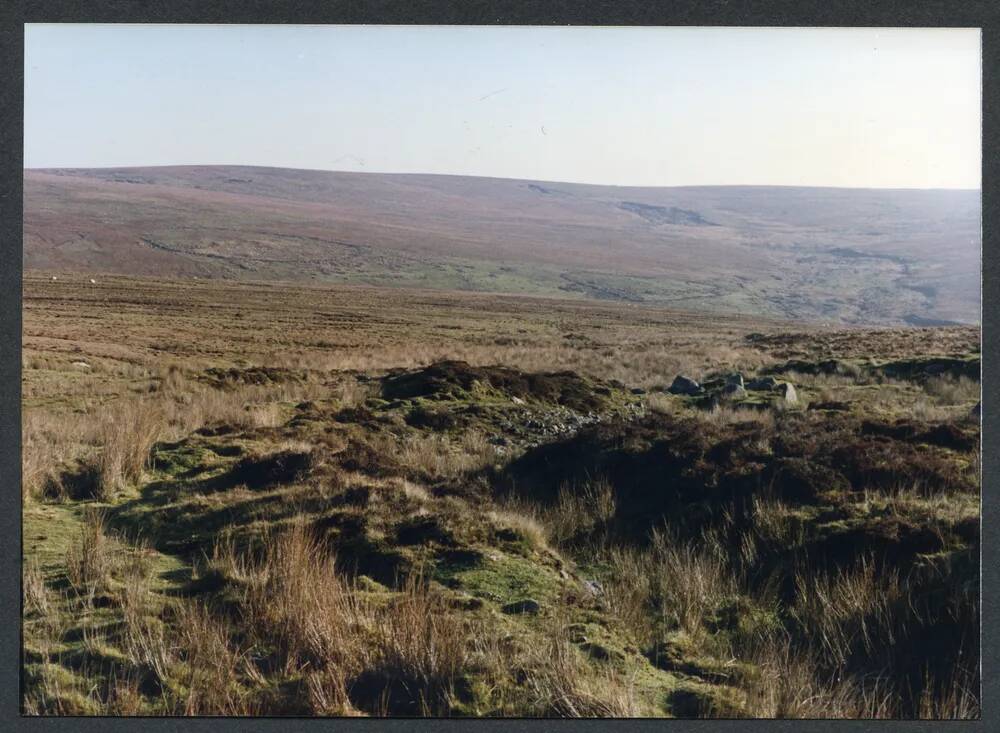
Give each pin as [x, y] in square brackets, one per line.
[634, 106]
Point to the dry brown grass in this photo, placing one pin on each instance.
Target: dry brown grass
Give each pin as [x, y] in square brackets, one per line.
[439, 456]
[578, 510]
[529, 527]
[296, 601]
[564, 685]
[351, 392]
[722, 415]
[34, 590]
[577, 514]
[49, 442]
[125, 698]
[116, 440]
[958, 698]
[92, 558]
[423, 645]
[194, 405]
[946, 390]
[671, 582]
[776, 523]
[660, 402]
[127, 435]
[214, 668]
[928, 411]
[788, 685]
[847, 608]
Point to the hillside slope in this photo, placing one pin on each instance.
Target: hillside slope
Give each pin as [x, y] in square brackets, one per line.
[853, 256]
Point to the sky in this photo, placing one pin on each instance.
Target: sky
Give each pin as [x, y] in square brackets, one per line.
[852, 107]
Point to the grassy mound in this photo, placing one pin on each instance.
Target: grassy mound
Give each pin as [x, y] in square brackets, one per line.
[456, 380]
[462, 540]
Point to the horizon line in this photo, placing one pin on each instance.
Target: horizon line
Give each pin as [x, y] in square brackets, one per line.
[504, 178]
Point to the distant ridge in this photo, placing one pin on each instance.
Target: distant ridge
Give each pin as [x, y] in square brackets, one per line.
[862, 256]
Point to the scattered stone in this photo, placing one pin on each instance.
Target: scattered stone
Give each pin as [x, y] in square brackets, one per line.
[787, 391]
[528, 605]
[81, 365]
[517, 400]
[762, 383]
[734, 391]
[594, 587]
[684, 385]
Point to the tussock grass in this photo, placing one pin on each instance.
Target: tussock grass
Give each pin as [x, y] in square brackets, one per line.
[671, 583]
[931, 411]
[947, 390]
[92, 558]
[528, 527]
[578, 513]
[214, 668]
[723, 415]
[775, 523]
[34, 590]
[848, 608]
[563, 685]
[296, 601]
[127, 435]
[439, 456]
[788, 685]
[421, 644]
[351, 393]
[660, 402]
[955, 698]
[579, 510]
[48, 443]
